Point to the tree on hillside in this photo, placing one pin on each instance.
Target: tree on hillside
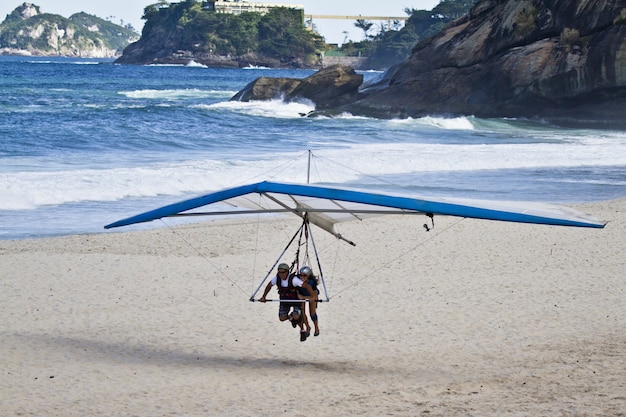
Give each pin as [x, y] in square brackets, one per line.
[453, 9]
[187, 26]
[364, 25]
[282, 35]
[392, 45]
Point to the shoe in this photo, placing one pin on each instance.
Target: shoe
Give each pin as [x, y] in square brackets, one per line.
[303, 336]
[317, 333]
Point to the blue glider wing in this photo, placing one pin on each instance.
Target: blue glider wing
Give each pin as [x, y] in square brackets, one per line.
[326, 206]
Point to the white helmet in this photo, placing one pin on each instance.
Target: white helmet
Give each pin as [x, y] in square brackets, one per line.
[305, 270]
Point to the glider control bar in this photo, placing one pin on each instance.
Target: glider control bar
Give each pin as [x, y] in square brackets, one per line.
[288, 301]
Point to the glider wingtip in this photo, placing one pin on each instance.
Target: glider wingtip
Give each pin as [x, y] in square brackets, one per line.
[596, 225]
[118, 223]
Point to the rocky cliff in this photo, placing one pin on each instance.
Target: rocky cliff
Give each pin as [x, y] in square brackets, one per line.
[558, 60]
[28, 31]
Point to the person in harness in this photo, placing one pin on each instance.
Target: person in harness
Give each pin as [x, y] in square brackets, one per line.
[291, 308]
[306, 275]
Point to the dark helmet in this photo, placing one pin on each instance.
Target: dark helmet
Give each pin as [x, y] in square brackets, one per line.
[305, 270]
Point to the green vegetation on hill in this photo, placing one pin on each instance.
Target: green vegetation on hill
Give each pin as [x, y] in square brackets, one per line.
[186, 26]
[28, 30]
[114, 36]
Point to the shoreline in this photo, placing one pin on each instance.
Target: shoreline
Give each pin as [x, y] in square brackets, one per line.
[473, 318]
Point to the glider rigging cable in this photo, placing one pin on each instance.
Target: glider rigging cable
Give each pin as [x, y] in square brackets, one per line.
[325, 206]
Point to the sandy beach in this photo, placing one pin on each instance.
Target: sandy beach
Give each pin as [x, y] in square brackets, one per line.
[474, 318]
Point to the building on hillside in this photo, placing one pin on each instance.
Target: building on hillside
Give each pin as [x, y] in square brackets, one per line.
[238, 6]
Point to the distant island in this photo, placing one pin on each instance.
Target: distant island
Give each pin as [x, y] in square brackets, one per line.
[29, 31]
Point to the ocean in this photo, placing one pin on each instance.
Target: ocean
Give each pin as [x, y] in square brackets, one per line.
[85, 142]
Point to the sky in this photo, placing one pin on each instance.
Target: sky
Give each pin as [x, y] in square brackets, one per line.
[130, 11]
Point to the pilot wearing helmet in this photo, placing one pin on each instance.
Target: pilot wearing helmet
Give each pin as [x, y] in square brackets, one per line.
[306, 275]
[288, 286]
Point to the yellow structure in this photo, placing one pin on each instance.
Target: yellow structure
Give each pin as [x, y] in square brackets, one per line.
[309, 18]
[238, 7]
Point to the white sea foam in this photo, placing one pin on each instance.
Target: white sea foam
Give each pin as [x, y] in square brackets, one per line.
[271, 108]
[345, 116]
[176, 94]
[26, 190]
[455, 123]
[195, 64]
[66, 62]
[255, 67]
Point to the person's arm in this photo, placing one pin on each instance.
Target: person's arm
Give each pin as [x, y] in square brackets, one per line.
[267, 290]
[312, 293]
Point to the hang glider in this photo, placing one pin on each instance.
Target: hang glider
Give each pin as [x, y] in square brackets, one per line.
[327, 206]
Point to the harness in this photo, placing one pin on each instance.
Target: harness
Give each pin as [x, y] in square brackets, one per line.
[288, 292]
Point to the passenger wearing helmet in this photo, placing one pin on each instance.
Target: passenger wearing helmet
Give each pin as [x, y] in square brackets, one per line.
[288, 286]
[306, 275]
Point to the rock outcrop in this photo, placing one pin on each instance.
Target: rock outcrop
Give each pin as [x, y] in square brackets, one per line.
[559, 60]
[330, 87]
[28, 31]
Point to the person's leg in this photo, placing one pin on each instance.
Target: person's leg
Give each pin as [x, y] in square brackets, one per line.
[300, 320]
[296, 314]
[305, 319]
[313, 313]
[283, 311]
